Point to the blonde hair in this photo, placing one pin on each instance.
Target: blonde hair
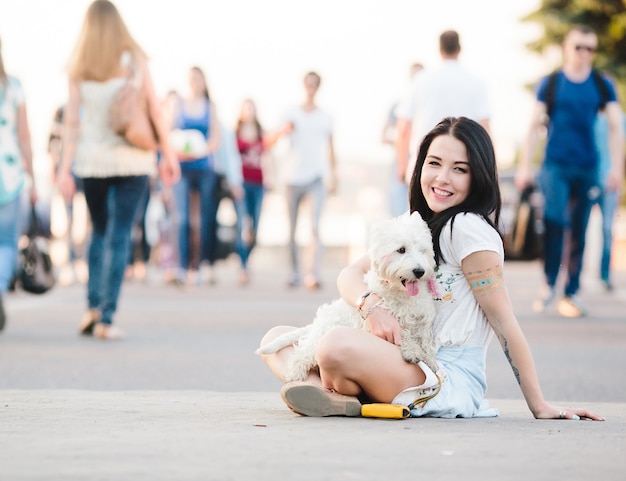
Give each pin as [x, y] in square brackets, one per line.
[102, 40]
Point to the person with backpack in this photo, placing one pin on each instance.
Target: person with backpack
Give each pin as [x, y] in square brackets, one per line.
[570, 99]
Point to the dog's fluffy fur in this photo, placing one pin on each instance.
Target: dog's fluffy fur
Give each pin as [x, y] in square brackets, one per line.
[402, 275]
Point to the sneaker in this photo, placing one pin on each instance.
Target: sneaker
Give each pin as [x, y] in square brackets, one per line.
[3, 316]
[571, 307]
[544, 300]
[311, 399]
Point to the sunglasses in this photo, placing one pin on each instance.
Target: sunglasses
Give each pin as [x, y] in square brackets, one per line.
[585, 47]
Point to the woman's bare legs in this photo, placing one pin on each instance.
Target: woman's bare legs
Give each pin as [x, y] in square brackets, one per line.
[352, 361]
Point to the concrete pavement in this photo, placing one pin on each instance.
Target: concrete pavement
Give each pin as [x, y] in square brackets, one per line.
[185, 398]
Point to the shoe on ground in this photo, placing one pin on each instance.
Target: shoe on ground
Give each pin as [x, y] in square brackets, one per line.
[571, 307]
[311, 399]
[608, 286]
[87, 324]
[544, 300]
[108, 332]
[3, 316]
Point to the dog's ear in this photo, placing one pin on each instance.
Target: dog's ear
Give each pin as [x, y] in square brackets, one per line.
[416, 218]
[378, 232]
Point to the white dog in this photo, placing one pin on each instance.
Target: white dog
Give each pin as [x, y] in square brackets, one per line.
[401, 275]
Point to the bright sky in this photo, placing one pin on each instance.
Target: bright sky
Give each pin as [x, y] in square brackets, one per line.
[263, 48]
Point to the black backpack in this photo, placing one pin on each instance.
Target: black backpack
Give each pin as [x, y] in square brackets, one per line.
[597, 78]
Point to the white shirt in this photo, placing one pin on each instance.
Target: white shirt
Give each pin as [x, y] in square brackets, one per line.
[447, 91]
[460, 321]
[308, 156]
[100, 152]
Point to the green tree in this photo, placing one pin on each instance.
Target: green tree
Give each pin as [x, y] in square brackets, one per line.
[606, 17]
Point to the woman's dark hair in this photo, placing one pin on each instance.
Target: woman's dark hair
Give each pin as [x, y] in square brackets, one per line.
[484, 193]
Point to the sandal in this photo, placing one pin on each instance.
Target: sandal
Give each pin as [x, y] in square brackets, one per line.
[108, 332]
[311, 399]
[90, 319]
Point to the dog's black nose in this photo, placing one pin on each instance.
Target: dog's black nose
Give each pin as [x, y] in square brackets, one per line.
[418, 273]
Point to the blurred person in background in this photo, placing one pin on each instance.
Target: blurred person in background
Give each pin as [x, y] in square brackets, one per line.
[230, 190]
[16, 163]
[310, 173]
[76, 226]
[608, 200]
[398, 187]
[252, 143]
[140, 248]
[449, 89]
[195, 138]
[114, 173]
[570, 99]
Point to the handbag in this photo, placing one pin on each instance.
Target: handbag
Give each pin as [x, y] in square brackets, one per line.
[36, 272]
[129, 114]
[526, 239]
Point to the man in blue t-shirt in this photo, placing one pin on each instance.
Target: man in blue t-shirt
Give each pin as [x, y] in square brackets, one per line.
[569, 171]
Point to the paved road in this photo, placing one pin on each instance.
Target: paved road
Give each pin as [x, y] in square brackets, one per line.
[184, 397]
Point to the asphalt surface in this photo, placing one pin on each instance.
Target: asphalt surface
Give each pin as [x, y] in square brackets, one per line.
[184, 397]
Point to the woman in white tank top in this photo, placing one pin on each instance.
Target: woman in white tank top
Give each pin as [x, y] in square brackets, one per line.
[114, 172]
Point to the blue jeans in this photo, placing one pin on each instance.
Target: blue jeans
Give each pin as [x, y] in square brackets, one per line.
[608, 202]
[248, 207]
[139, 246]
[112, 204]
[569, 194]
[75, 251]
[10, 228]
[204, 182]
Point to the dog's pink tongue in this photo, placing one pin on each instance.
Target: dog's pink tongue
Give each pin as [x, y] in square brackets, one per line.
[412, 288]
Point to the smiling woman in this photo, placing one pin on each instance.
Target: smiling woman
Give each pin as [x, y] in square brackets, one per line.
[446, 175]
[471, 305]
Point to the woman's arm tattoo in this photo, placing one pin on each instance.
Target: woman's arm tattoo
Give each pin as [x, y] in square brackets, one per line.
[485, 282]
[507, 354]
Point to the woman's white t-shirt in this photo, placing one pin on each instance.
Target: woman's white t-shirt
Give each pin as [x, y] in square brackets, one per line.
[460, 321]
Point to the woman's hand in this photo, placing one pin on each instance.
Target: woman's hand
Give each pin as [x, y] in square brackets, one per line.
[169, 169]
[237, 192]
[66, 185]
[381, 323]
[551, 412]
